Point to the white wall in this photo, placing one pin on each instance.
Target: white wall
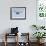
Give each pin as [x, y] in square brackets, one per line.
[24, 25]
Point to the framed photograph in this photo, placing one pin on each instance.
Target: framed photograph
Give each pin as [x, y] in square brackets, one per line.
[18, 13]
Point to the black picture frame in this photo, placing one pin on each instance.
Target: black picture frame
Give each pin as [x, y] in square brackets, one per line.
[17, 13]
